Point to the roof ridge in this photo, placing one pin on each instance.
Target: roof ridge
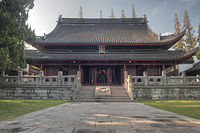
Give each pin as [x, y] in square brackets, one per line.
[101, 21]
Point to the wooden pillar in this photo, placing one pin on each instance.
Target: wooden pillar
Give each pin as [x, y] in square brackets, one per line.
[82, 76]
[95, 76]
[159, 70]
[79, 67]
[45, 71]
[108, 76]
[175, 70]
[124, 67]
[163, 67]
[122, 74]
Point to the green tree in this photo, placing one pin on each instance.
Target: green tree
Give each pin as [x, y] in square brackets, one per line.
[180, 44]
[133, 12]
[81, 12]
[198, 37]
[198, 40]
[190, 40]
[14, 31]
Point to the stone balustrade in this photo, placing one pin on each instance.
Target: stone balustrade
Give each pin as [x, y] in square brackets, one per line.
[164, 80]
[40, 87]
[162, 87]
[21, 79]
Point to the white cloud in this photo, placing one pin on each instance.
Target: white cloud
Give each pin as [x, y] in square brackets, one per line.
[166, 33]
[29, 47]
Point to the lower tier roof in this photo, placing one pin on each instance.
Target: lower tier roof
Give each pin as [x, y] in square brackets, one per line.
[176, 56]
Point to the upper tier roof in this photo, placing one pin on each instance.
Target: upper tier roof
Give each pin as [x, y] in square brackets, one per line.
[128, 31]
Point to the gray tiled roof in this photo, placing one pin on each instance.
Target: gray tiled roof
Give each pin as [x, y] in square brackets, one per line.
[196, 67]
[103, 31]
[86, 56]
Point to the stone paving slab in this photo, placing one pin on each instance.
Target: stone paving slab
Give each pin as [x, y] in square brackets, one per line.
[101, 118]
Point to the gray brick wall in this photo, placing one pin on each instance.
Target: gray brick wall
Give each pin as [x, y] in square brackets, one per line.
[35, 92]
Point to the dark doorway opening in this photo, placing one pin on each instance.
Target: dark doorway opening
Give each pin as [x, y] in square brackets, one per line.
[115, 75]
[102, 75]
[88, 75]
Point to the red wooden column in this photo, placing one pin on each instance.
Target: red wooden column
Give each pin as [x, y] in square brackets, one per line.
[95, 76]
[163, 67]
[159, 70]
[123, 74]
[108, 76]
[79, 67]
[45, 71]
[175, 70]
[124, 67]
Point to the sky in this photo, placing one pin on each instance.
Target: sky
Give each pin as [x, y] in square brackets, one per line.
[160, 13]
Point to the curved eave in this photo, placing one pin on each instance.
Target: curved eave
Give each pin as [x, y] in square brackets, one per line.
[176, 60]
[187, 55]
[165, 43]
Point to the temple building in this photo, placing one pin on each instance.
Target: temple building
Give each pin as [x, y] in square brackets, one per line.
[102, 49]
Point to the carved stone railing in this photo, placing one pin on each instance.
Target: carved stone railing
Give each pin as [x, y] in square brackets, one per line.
[137, 80]
[128, 85]
[164, 80]
[77, 86]
[192, 80]
[175, 80]
[60, 80]
[140, 81]
[155, 80]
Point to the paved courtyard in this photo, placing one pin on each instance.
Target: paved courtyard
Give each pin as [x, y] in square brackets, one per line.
[101, 118]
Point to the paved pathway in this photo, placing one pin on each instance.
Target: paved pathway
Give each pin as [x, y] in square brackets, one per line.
[101, 118]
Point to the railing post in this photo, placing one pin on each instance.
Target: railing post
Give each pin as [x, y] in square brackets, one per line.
[20, 74]
[164, 78]
[79, 76]
[125, 78]
[184, 78]
[60, 78]
[130, 87]
[145, 78]
[41, 77]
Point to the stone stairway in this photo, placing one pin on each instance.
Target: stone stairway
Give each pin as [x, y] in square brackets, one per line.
[87, 94]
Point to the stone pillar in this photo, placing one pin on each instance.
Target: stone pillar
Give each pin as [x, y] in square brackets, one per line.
[184, 78]
[78, 82]
[41, 77]
[60, 78]
[20, 74]
[79, 76]
[125, 78]
[164, 78]
[145, 78]
[29, 70]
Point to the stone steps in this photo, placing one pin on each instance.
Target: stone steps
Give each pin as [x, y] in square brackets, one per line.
[87, 94]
